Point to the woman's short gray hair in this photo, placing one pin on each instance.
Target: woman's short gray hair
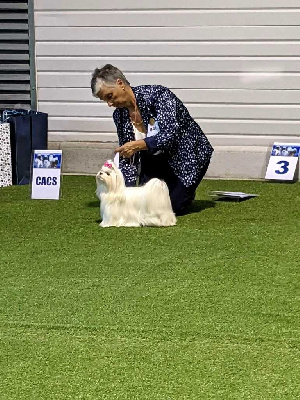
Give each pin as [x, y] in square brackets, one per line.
[107, 75]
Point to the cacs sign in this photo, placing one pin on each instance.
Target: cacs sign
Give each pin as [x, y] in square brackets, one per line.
[46, 173]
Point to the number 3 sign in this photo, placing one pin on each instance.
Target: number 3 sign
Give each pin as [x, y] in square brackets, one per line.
[283, 161]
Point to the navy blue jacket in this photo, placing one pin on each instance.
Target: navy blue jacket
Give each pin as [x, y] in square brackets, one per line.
[181, 138]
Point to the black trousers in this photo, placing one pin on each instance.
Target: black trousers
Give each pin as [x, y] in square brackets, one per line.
[180, 195]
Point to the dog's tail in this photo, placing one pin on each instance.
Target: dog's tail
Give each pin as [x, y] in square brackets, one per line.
[156, 185]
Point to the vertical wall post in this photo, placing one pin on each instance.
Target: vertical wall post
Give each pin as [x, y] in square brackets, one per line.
[31, 30]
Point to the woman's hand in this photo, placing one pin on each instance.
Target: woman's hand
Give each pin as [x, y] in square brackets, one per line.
[130, 148]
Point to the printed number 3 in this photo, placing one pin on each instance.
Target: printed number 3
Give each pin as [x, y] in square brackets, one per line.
[284, 167]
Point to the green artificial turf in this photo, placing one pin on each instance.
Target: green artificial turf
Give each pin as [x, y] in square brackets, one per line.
[208, 309]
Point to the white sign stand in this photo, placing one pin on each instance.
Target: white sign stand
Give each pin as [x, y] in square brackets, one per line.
[46, 173]
[283, 161]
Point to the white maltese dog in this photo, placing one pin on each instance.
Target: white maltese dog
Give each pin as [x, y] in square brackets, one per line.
[147, 205]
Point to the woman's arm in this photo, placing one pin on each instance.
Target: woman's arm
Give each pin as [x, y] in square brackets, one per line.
[130, 148]
[128, 166]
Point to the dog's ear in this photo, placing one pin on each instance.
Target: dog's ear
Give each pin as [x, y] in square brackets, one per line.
[114, 167]
[118, 179]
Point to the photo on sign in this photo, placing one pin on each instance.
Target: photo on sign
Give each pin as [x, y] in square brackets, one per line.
[285, 151]
[47, 160]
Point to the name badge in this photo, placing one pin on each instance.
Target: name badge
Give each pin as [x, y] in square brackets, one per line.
[153, 128]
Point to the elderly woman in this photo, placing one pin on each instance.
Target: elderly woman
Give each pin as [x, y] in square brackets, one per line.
[157, 136]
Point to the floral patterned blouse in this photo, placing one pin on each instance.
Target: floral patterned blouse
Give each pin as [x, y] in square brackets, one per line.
[180, 138]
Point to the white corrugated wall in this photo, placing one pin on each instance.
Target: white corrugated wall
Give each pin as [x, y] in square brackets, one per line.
[234, 63]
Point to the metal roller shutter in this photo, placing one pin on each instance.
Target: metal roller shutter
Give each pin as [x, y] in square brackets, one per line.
[17, 71]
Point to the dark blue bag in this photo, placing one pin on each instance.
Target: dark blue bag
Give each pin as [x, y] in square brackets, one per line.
[29, 131]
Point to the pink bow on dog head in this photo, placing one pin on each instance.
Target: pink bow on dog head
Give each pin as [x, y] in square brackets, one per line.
[107, 164]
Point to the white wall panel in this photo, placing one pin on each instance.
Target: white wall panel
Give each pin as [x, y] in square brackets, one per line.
[146, 33]
[157, 48]
[210, 126]
[163, 4]
[206, 96]
[266, 80]
[234, 63]
[177, 18]
[218, 111]
[171, 64]
[216, 139]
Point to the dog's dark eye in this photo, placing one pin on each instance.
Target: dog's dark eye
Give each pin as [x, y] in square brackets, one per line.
[107, 173]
